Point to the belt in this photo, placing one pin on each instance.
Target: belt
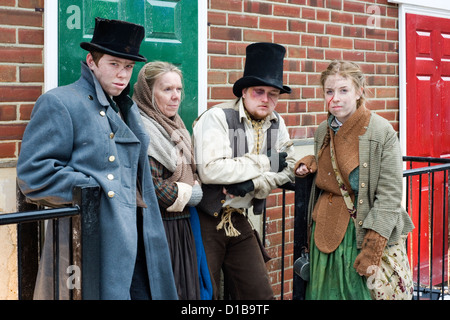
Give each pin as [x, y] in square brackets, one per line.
[226, 223]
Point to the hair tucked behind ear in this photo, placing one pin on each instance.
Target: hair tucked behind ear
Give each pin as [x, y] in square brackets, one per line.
[346, 69]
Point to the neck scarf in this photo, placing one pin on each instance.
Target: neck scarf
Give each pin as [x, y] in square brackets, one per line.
[257, 128]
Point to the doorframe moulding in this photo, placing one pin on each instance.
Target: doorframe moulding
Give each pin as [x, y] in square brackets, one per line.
[50, 44]
[202, 55]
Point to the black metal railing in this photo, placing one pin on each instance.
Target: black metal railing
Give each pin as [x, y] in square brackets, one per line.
[284, 188]
[302, 193]
[84, 247]
[427, 202]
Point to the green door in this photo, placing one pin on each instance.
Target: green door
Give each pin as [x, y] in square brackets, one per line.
[171, 34]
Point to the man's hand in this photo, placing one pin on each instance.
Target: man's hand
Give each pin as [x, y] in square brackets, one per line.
[240, 189]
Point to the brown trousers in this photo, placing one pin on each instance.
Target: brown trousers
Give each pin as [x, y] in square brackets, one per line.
[239, 257]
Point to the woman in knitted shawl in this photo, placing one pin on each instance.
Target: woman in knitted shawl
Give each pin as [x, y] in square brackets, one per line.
[357, 218]
[158, 93]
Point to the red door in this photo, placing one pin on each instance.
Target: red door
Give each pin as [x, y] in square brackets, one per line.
[428, 134]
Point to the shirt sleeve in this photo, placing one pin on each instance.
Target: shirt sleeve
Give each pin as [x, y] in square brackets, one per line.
[166, 191]
[213, 153]
[268, 180]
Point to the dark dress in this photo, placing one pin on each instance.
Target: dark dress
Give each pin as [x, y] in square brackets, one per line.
[179, 234]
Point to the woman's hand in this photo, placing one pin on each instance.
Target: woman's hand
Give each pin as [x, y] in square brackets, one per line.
[305, 166]
[302, 170]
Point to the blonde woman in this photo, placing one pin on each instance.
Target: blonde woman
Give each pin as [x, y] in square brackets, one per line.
[363, 147]
[158, 94]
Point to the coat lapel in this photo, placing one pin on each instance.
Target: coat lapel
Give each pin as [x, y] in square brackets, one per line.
[330, 212]
[347, 142]
[122, 133]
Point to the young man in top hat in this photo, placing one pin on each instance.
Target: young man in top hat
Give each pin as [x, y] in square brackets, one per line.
[243, 152]
[90, 133]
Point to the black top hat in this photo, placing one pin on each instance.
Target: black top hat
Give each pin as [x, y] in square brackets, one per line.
[263, 67]
[117, 38]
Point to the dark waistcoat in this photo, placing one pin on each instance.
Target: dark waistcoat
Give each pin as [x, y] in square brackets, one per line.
[213, 197]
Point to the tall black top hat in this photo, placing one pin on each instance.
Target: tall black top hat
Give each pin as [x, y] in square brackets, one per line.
[263, 67]
[117, 38]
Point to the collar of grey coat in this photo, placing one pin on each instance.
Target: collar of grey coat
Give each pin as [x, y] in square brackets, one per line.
[121, 102]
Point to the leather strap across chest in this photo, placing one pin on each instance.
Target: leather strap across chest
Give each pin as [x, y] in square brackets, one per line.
[330, 212]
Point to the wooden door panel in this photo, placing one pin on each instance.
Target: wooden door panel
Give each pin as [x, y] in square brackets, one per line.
[428, 61]
[428, 132]
[171, 34]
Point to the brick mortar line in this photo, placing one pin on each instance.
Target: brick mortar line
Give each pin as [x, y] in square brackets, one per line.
[22, 27]
[21, 46]
[306, 47]
[303, 32]
[15, 8]
[302, 6]
[21, 64]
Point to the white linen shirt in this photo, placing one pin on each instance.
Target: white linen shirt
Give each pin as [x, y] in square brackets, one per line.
[216, 164]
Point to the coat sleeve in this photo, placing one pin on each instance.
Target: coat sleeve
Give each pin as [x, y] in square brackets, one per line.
[172, 196]
[386, 215]
[43, 173]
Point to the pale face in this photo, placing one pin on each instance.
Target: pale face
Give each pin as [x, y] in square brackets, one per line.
[167, 92]
[341, 97]
[260, 101]
[113, 73]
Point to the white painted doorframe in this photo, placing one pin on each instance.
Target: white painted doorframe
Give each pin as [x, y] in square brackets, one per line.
[433, 8]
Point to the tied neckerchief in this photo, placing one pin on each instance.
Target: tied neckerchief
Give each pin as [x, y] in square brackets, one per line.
[257, 128]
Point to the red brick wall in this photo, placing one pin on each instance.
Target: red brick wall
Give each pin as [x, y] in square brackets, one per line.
[314, 32]
[21, 69]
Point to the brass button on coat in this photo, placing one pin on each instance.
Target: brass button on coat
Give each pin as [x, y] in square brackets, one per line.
[111, 194]
[112, 158]
[102, 113]
[111, 135]
[110, 176]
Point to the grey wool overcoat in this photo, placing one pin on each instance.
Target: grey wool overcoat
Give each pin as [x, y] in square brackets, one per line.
[75, 138]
